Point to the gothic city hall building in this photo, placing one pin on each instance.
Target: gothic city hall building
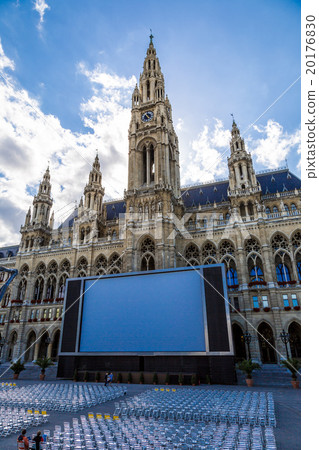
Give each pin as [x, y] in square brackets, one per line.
[249, 222]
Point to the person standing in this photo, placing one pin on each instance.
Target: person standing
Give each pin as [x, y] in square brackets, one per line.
[23, 441]
[106, 378]
[38, 439]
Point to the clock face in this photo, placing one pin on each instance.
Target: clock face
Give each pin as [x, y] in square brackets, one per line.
[147, 116]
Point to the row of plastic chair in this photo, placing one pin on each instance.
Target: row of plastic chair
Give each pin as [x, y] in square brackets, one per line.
[60, 397]
[204, 405]
[144, 434]
[12, 420]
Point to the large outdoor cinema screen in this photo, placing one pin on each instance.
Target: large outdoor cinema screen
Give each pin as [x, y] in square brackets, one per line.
[160, 312]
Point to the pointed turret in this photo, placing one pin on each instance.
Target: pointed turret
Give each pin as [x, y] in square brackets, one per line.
[36, 231]
[42, 202]
[151, 79]
[28, 217]
[93, 191]
[242, 177]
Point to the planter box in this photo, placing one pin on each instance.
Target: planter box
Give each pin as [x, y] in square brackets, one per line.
[257, 283]
[33, 302]
[267, 309]
[256, 309]
[39, 301]
[287, 308]
[297, 308]
[35, 320]
[284, 283]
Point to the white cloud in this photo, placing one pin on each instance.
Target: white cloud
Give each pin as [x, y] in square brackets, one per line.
[208, 156]
[274, 148]
[40, 6]
[29, 139]
[5, 62]
[180, 124]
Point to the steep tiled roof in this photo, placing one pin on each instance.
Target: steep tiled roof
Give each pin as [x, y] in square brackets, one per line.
[271, 182]
[9, 251]
[113, 210]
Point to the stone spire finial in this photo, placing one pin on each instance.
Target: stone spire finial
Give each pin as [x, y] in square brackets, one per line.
[151, 37]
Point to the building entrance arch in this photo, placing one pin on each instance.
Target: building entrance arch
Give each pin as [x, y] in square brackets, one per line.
[266, 344]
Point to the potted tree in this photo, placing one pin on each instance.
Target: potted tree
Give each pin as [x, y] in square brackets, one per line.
[180, 379]
[247, 367]
[207, 379]
[75, 375]
[43, 363]
[119, 377]
[17, 368]
[97, 377]
[194, 379]
[129, 378]
[167, 378]
[142, 378]
[293, 364]
[155, 378]
[86, 377]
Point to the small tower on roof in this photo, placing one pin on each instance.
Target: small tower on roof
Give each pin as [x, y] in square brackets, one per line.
[36, 231]
[93, 191]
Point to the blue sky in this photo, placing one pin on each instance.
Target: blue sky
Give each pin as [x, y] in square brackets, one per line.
[69, 69]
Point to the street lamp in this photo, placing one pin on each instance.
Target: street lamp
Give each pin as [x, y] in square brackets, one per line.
[247, 339]
[284, 336]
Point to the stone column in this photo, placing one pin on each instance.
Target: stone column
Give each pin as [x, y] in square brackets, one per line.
[148, 167]
[36, 350]
[49, 350]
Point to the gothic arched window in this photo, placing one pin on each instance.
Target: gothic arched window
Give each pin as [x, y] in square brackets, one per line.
[231, 272]
[62, 282]
[147, 254]
[226, 248]
[279, 241]
[38, 288]
[282, 272]
[252, 245]
[51, 285]
[296, 240]
[115, 264]
[209, 253]
[192, 255]
[101, 265]
[22, 289]
[298, 264]
[255, 268]
[82, 267]
[275, 209]
[52, 267]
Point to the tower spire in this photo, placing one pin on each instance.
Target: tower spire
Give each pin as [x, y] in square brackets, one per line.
[151, 37]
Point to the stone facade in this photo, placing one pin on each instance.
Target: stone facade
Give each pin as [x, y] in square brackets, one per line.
[250, 222]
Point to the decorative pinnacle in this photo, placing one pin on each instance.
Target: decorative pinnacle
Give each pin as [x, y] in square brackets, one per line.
[151, 36]
[233, 118]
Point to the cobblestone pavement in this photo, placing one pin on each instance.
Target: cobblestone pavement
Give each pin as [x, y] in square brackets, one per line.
[287, 405]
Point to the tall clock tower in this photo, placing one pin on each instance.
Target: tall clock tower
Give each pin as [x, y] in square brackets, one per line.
[153, 193]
